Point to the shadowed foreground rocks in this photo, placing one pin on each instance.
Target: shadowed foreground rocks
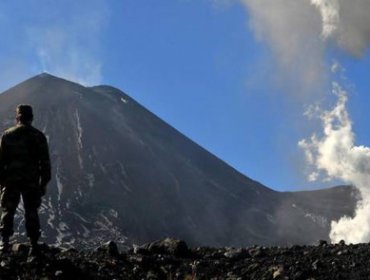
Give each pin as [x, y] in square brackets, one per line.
[172, 259]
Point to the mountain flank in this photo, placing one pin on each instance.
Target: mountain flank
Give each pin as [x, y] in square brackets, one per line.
[121, 173]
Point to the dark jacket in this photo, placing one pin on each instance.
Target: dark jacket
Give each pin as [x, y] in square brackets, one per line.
[24, 156]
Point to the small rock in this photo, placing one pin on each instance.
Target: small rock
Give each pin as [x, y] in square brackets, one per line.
[140, 250]
[342, 243]
[230, 274]
[151, 275]
[4, 263]
[236, 254]
[67, 266]
[136, 269]
[278, 272]
[32, 260]
[109, 248]
[253, 267]
[315, 264]
[323, 243]
[295, 247]
[256, 252]
[65, 250]
[298, 275]
[171, 246]
[342, 252]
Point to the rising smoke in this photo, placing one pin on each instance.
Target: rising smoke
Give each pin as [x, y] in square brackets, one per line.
[67, 43]
[299, 34]
[347, 23]
[290, 28]
[63, 38]
[336, 154]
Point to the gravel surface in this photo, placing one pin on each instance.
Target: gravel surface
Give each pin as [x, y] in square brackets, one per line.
[172, 259]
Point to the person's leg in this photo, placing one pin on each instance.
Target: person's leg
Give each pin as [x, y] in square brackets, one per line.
[9, 201]
[32, 201]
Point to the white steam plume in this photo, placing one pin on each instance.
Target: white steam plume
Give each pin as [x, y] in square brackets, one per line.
[336, 155]
[329, 10]
[299, 33]
[63, 38]
[347, 23]
[291, 28]
[67, 44]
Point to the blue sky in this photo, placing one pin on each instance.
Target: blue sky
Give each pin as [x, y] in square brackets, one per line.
[195, 63]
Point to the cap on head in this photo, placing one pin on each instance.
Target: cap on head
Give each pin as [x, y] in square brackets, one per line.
[24, 113]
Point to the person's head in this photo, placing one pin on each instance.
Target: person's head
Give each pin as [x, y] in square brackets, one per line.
[24, 114]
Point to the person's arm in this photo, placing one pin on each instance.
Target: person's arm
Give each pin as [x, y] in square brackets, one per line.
[45, 166]
[2, 161]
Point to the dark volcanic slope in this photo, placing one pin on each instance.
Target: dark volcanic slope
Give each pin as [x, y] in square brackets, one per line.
[122, 173]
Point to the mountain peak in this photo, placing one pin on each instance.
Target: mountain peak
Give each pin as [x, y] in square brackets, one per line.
[45, 76]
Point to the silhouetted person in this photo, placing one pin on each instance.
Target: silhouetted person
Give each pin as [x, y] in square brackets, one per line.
[24, 172]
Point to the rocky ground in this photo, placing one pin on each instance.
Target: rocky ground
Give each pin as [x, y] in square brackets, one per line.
[172, 259]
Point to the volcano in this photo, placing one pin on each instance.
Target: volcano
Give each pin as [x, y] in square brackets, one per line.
[121, 173]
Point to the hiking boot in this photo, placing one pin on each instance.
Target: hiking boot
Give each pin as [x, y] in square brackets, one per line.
[35, 251]
[35, 247]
